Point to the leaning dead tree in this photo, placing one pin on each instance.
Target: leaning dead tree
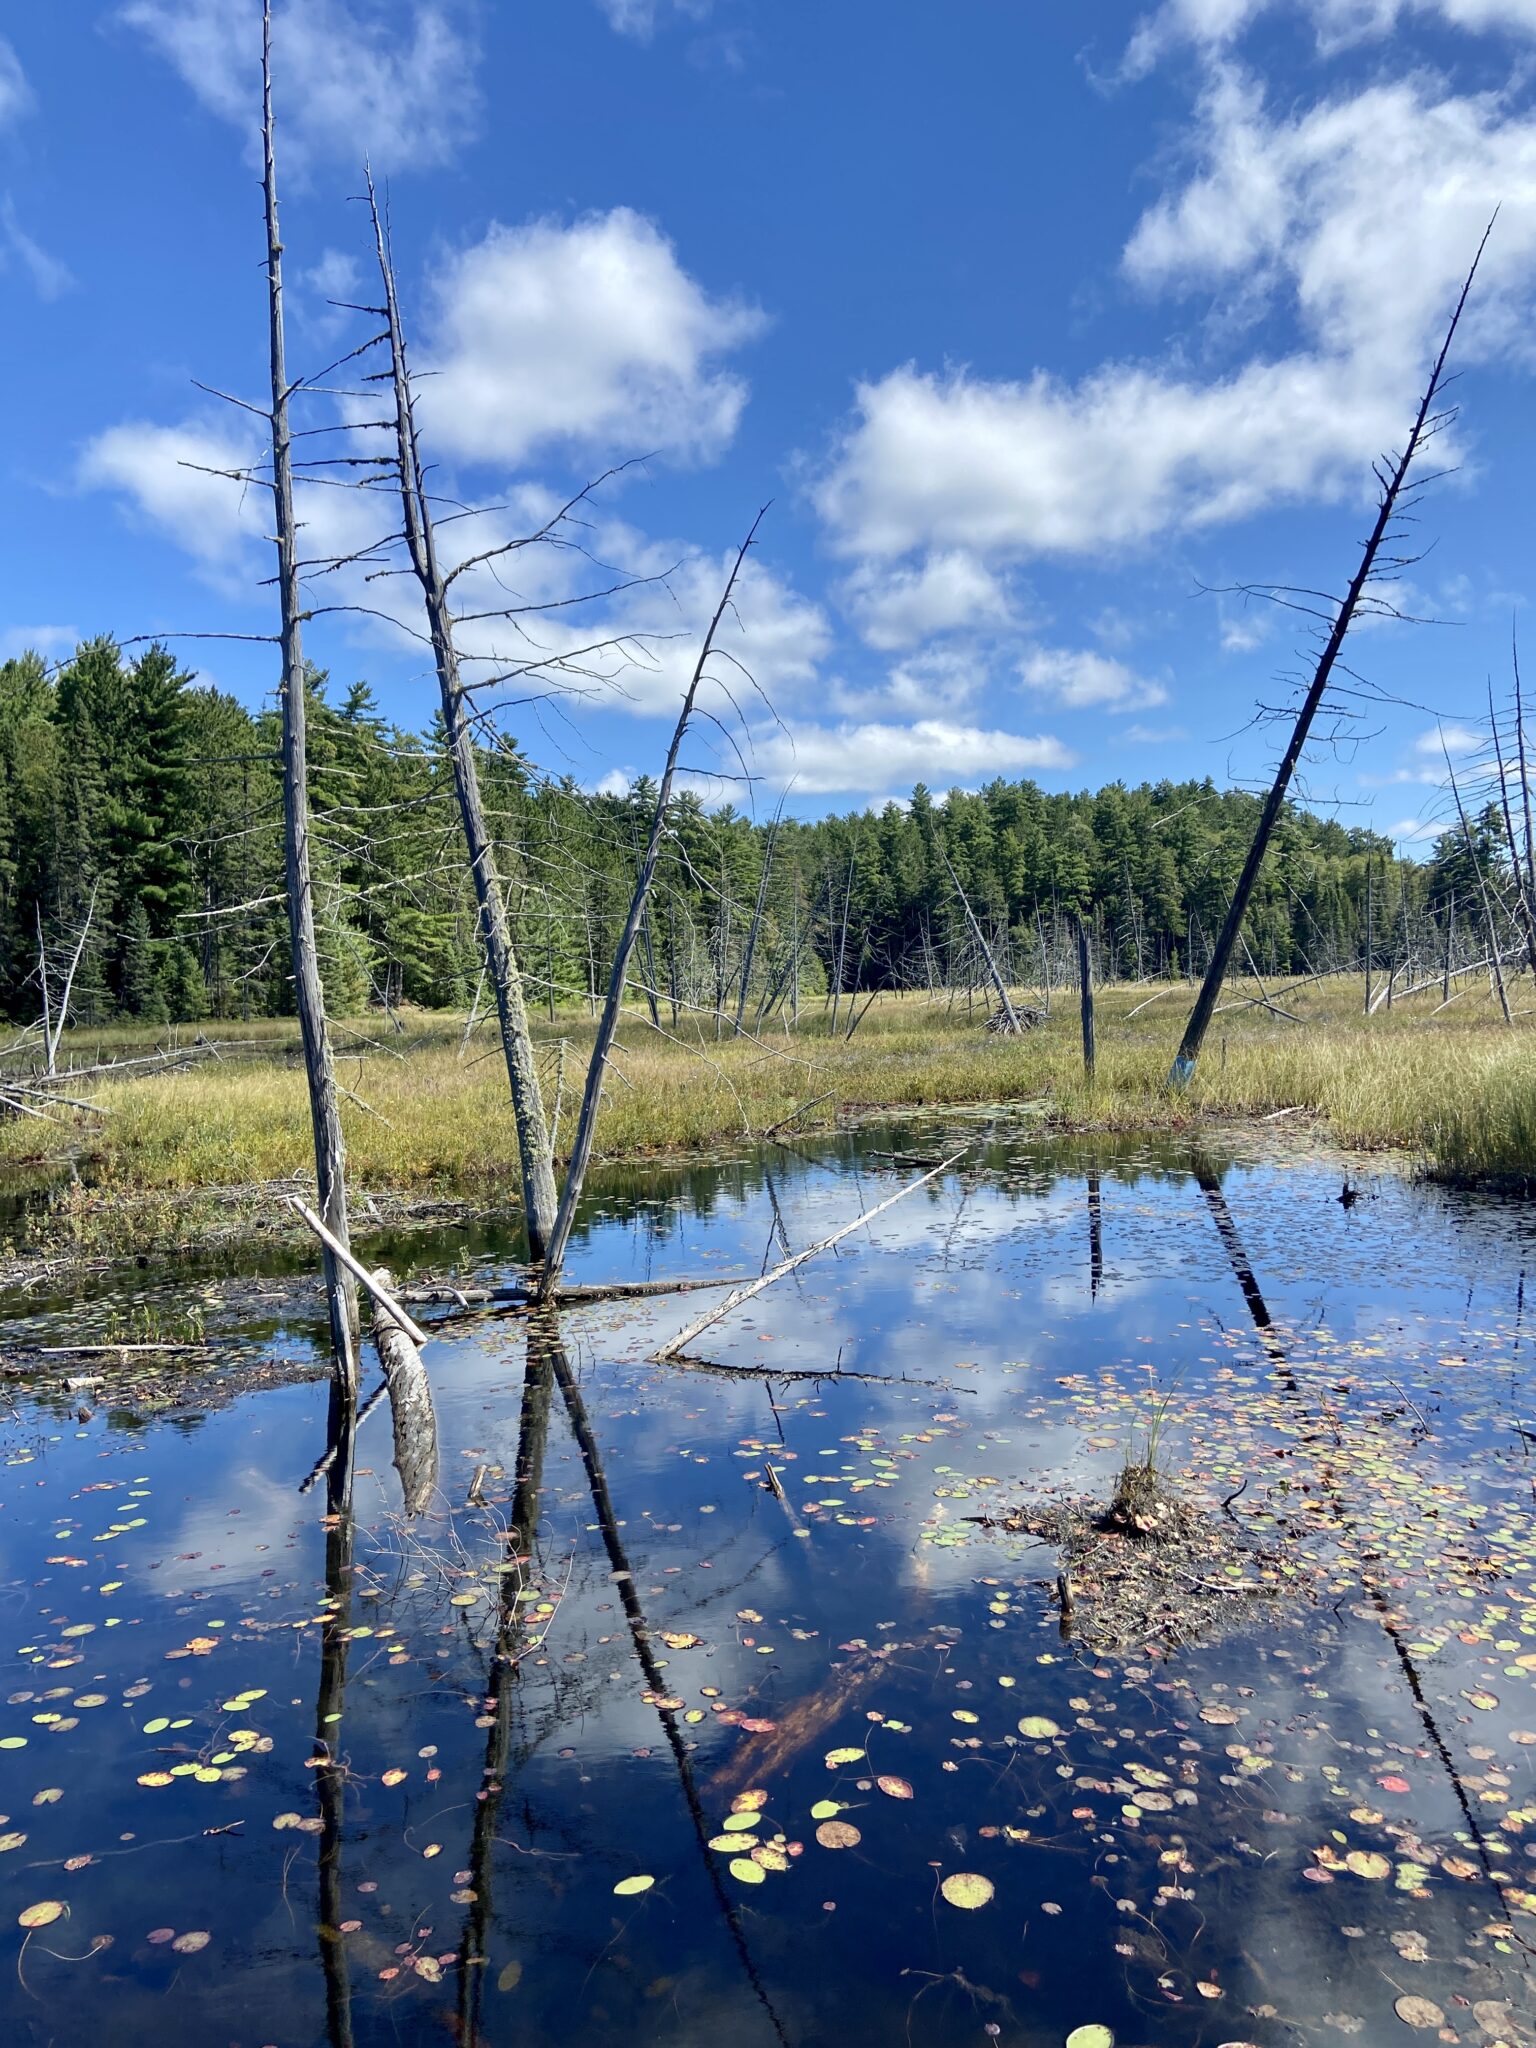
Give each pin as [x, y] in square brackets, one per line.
[1393, 480]
[533, 1141]
[324, 1105]
[1012, 1023]
[608, 1023]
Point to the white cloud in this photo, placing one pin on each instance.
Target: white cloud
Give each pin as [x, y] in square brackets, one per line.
[162, 471]
[772, 633]
[50, 278]
[858, 760]
[1215, 24]
[640, 18]
[15, 93]
[1457, 739]
[392, 79]
[903, 606]
[947, 677]
[53, 642]
[591, 335]
[1305, 215]
[1413, 828]
[1080, 679]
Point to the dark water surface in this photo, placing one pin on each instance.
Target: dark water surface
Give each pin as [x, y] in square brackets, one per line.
[273, 1777]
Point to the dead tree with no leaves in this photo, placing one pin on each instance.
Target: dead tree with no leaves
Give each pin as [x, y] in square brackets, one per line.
[1392, 479]
[324, 1108]
[538, 1172]
[608, 1024]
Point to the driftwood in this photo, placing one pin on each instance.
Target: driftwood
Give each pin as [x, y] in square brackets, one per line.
[410, 1402]
[358, 1270]
[811, 1372]
[675, 1344]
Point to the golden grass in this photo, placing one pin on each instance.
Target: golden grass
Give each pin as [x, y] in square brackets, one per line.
[1457, 1089]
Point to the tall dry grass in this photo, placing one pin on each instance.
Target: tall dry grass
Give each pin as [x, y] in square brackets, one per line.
[1457, 1088]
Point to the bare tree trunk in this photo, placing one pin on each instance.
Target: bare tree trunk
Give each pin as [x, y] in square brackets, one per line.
[1525, 780]
[1522, 899]
[538, 1172]
[1495, 968]
[1370, 930]
[1392, 481]
[324, 1109]
[1010, 1014]
[757, 921]
[1085, 996]
[608, 1024]
[1450, 933]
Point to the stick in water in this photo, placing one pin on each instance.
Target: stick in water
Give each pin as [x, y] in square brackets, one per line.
[358, 1271]
[675, 1344]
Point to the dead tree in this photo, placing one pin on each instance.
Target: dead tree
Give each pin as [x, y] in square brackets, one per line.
[1085, 995]
[324, 1107]
[1392, 479]
[1489, 927]
[608, 1023]
[54, 1022]
[1012, 1023]
[534, 1153]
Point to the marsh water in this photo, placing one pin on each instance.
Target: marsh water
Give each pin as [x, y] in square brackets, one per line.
[699, 1707]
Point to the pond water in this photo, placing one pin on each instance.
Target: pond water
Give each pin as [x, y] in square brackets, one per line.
[706, 1709]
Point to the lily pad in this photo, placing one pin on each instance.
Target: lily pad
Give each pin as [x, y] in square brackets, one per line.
[627, 1887]
[967, 1890]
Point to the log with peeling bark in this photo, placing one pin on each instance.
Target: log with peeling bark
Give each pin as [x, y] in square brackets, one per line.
[410, 1403]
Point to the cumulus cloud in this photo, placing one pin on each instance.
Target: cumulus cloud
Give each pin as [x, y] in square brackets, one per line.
[392, 79]
[591, 335]
[903, 606]
[1082, 680]
[860, 760]
[1413, 828]
[163, 473]
[1214, 24]
[1448, 739]
[1304, 214]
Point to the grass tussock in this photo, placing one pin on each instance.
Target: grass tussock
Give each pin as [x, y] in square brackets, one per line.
[425, 1112]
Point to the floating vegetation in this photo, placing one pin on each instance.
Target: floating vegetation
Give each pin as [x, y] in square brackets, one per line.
[613, 1739]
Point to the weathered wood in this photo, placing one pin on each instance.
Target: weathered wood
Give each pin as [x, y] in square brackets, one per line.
[1085, 996]
[1392, 481]
[1014, 1026]
[533, 1144]
[309, 996]
[608, 1023]
[410, 1402]
[1489, 927]
[675, 1344]
[344, 1257]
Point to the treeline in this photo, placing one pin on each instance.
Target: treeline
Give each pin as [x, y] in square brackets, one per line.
[141, 826]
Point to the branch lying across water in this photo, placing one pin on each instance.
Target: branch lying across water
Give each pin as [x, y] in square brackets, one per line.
[825, 1372]
[674, 1345]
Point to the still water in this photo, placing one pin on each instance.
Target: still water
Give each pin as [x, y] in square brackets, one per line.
[697, 1708]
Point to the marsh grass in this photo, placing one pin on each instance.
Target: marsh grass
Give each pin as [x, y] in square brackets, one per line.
[1457, 1089]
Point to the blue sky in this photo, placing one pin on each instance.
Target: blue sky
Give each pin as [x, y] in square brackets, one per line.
[1035, 332]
